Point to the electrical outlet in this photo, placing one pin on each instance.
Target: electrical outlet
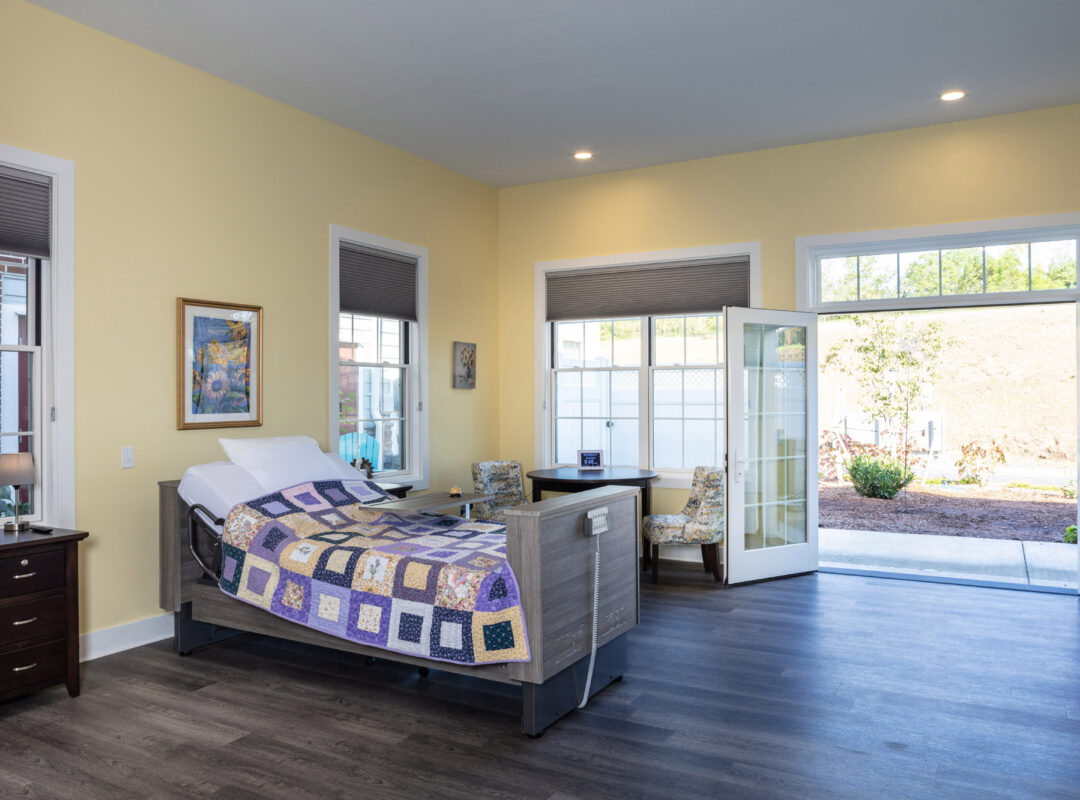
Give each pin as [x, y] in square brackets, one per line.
[127, 457]
[596, 521]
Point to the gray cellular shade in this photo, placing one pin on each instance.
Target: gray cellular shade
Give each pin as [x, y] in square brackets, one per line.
[684, 287]
[377, 283]
[24, 213]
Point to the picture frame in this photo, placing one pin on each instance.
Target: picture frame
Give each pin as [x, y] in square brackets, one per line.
[464, 365]
[218, 364]
[590, 460]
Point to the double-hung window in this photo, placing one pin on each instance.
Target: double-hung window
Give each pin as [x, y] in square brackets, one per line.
[20, 369]
[654, 399]
[373, 378]
[648, 387]
[378, 343]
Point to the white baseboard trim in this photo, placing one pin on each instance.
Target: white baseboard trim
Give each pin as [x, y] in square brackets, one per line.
[124, 637]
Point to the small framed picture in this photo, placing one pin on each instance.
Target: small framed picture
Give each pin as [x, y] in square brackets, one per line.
[464, 365]
[590, 459]
[218, 364]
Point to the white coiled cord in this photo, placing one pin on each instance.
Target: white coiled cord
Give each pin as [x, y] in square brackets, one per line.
[595, 622]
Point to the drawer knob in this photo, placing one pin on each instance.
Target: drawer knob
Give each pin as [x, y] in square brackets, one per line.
[25, 562]
[24, 669]
[24, 621]
[24, 575]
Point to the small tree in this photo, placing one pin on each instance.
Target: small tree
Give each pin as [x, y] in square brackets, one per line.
[894, 358]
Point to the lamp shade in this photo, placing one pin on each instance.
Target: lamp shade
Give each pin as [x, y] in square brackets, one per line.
[16, 469]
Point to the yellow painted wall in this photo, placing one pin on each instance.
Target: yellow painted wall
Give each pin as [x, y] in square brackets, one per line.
[187, 185]
[1006, 166]
[191, 186]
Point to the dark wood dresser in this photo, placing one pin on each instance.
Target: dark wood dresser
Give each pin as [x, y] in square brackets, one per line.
[39, 611]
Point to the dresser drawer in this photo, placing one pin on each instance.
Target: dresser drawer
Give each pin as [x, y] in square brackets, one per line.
[33, 572]
[32, 619]
[29, 665]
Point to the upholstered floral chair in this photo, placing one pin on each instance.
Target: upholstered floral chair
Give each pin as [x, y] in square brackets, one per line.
[701, 522]
[502, 479]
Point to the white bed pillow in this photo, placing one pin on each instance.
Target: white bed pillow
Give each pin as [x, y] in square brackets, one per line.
[280, 461]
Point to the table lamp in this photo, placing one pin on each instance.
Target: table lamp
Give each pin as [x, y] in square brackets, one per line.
[16, 471]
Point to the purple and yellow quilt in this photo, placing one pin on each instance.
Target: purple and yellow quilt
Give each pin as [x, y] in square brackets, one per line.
[432, 586]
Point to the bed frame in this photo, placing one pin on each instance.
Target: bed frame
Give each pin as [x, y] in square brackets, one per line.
[550, 555]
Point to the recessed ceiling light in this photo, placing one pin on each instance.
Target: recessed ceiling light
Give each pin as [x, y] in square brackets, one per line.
[583, 155]
[953, 94]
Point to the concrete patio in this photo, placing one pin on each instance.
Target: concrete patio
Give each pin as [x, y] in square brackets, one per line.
[992, 560]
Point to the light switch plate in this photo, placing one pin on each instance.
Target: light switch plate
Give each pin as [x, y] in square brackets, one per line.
[127, 457]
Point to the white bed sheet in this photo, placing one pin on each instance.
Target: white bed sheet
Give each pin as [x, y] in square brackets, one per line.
[219, 486]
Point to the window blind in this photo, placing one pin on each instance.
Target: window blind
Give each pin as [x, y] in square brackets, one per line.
[683, 287]
[25, 212]
[377, 283]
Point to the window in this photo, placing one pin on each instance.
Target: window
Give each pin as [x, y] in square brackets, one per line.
[655, 398]
[378, 292]
[20, 362]
[373, 377]
[630, 355]
[968, 269]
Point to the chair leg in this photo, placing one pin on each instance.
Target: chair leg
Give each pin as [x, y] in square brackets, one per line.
[705, 557]
[656, 563]
[714, 552]
[645, 548]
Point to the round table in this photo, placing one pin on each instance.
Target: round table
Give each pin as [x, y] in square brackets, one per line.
[572, 479]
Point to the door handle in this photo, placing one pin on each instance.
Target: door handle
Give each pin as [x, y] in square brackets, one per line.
[24, 669]
[24, 621]
[24, 575]
[740, 466]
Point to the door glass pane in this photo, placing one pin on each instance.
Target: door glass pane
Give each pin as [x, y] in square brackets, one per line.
[775, 492]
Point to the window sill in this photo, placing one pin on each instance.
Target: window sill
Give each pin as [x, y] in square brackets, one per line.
[416, 480]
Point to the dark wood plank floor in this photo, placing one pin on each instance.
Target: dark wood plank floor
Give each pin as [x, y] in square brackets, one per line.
[819, 686]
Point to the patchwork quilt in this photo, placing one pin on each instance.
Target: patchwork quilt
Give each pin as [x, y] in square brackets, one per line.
[433, 586]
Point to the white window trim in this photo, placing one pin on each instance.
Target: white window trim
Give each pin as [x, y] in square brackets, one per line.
[418, 452]
[808, 249]
[57, 468]
[668, 479]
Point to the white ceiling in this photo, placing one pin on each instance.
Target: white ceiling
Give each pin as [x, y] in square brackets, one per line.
[506, 90]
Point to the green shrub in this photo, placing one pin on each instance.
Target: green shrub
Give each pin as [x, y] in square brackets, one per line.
[1070, 535]
[1069, 490]
[878, 477]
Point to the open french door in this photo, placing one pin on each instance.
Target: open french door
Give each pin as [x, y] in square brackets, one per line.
[772, 459]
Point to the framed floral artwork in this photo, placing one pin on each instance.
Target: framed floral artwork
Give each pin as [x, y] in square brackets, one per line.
[464, 365]
[218, 364]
